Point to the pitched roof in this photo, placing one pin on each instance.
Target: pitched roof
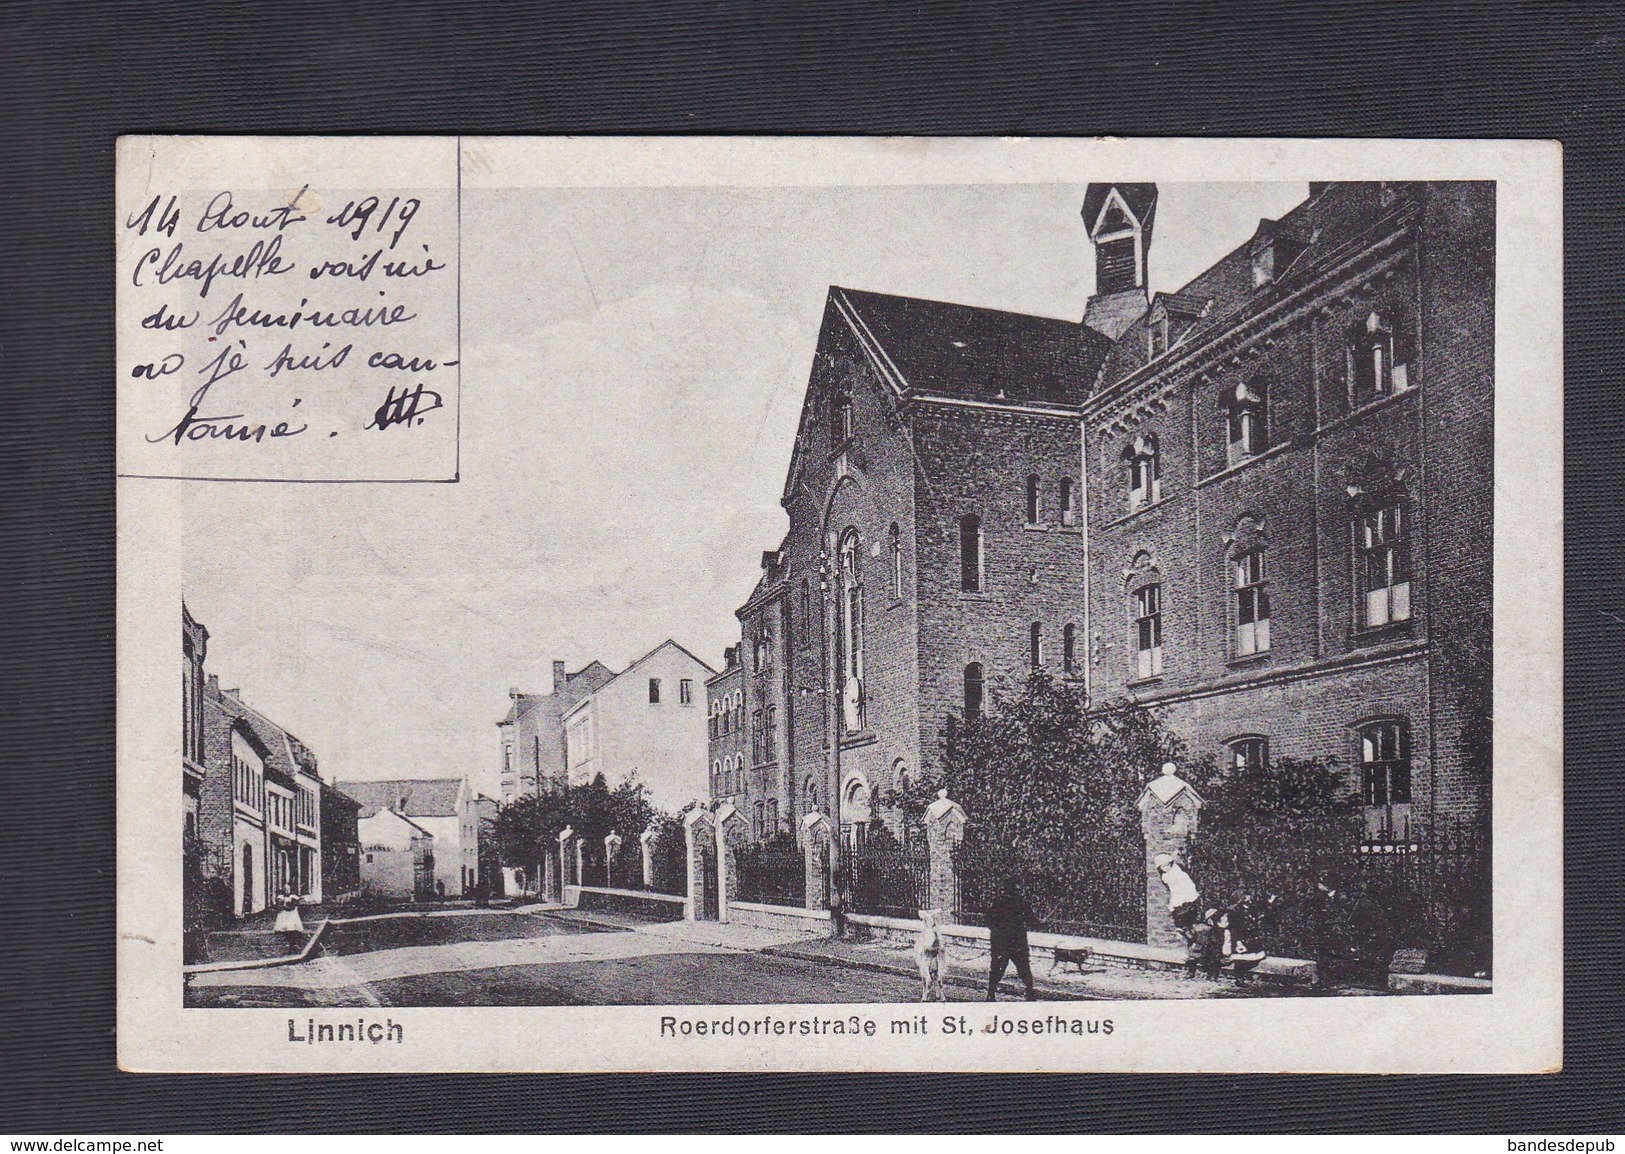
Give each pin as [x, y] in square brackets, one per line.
[590, 676]
[970, 353]
[283, 753]
[423, 797]
[398, 816]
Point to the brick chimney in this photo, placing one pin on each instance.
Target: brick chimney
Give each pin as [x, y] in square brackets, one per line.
[559, 676]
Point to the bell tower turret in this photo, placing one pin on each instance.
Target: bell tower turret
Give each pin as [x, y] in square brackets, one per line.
[1119, 219]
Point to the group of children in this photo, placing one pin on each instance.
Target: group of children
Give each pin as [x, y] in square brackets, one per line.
[1216, 935]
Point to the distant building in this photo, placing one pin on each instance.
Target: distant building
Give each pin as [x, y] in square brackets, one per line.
[260, 799]
[203, 863]
[727, 737]
[341, 844]
[532, 733]
[648, 722]
[445, 807]
[397, 857]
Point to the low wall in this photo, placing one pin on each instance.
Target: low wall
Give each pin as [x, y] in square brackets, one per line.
[1042, 946]
[791, 919]
[642, 903]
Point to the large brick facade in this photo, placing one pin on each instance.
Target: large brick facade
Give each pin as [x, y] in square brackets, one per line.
[1294, 450]
[1357, 334]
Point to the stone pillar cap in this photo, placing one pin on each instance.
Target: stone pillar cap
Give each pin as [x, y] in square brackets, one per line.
[728, 810]
[695, 815]
[612, 836]
[566, 833]
[943, 807]
[812, 818]
[651, 832]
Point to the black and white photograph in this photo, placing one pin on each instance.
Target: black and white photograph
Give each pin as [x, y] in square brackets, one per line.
[808, 605]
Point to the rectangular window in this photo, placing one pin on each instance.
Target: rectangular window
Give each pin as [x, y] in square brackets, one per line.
[1069, 502]
[1035, 645]
[1385, 576]
[1148, 630]
[685, 692]
[1252, 605]
[654, 691]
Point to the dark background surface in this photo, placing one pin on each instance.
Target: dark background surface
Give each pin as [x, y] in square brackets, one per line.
[73, 77]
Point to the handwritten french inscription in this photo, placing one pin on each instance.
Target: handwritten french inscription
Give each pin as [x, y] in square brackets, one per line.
[299, 333]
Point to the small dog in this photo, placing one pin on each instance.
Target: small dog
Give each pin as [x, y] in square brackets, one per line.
[1075, 956]
[931, 952]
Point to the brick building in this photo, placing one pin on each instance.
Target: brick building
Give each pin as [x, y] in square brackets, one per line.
[259, 802]
[727, 741]
[532, 733]
[936, 547]
[1290, 489]
[341, 844]
[1260, 503]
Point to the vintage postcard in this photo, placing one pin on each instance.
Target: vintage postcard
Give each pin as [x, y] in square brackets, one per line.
[814, 604]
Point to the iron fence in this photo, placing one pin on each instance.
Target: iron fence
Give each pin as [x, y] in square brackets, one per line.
[889, 879]
[1334, 893]
[772, 875]
[1095, 888]
[670, 863]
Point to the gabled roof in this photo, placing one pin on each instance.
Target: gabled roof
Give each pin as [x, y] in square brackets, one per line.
[283, 753]
[421, 797]
[939, 349]
[591, 676]
[398, 816]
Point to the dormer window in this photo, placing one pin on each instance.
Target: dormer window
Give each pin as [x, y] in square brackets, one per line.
[1246, 420]
[1144, 471]
[1263, 264]
[1156, 335]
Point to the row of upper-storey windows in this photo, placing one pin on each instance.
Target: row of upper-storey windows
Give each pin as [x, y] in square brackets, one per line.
[728, 776]
[1376, 367]
[685, 691]
[728, 714]
[1382, 750]
[1381, 578]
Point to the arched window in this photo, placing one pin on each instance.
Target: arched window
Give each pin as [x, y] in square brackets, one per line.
[1069, 502]
[973, 690]
[1146, 605]
[770, 733]
[1252, 603]
[970, 553]
[1385, 777]
[1035, 644]
[1033, 500]
[852, 699]
[1069, 648]
[1376, 360]
[772, 818]
[1384, 567]
[840, 416]
[1246, 420]
[1144, 471]
[1247, 752]
[896, 561]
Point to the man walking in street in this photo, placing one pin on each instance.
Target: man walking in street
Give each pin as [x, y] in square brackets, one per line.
[1007, 920]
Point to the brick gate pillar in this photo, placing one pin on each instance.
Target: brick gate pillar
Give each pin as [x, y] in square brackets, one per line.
[566, 849]
[815, 835]
[698, 828]
[733, 834]
[612, 850]
[944, 830]
[646, 840]
[1168, 815]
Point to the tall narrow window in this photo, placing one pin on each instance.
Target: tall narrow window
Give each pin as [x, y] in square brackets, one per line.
[1248, 753]
[852, 700]
[1069, 502]
[756, 757]
[772, 816]
[1376, 364]
[973, 690]
[1385, 776]
[1069, 648]
[1148, 631]
[1035, 644]
[896, 562]
[1252, 604]
[685, 692]
[1144, 471]
[1246, 420]
[840, 416]
[770, 733]
[1033, 494]
[1385, 572]
[806, 613]
[970, 553]
[716, 728]
[654, 691]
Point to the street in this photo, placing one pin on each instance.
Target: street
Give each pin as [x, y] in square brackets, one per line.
[555, 957]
